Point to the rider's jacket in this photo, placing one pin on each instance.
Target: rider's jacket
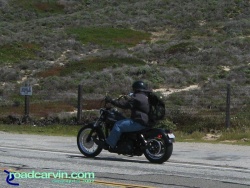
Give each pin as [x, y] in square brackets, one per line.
[139, 105]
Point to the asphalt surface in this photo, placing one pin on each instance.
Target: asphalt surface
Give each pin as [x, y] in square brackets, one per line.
[191, 165]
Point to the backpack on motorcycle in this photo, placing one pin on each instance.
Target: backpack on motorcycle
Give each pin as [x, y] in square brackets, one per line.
[157, 109]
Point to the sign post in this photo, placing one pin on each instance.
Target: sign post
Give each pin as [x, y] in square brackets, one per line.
[26, 91]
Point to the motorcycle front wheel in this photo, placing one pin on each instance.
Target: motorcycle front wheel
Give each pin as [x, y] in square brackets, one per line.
[158, 150]
[88, 147]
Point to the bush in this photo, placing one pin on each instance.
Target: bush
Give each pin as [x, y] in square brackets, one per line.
[8, 74]
[166, 124]
[109, 36]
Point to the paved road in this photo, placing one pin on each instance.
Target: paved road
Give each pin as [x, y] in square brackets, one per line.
[191, 165]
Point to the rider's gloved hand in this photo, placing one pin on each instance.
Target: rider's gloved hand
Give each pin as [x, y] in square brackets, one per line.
[108, 99]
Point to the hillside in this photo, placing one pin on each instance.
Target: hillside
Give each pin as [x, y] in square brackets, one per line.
[55, 45]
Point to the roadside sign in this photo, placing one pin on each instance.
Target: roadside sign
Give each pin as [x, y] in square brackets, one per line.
[27, 90]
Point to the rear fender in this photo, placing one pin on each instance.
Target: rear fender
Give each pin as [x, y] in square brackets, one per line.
[157, 132]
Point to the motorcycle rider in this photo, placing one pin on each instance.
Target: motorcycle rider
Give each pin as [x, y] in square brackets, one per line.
[139, 106]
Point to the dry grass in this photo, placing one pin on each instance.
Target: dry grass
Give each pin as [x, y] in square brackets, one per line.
[37, 109]
[55, 71]
[174, 47]
[230, 136]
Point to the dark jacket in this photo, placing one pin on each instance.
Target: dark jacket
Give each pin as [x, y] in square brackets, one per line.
[139, 105]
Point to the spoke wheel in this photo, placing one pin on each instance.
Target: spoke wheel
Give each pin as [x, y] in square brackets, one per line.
[158, 150]
[87, 148]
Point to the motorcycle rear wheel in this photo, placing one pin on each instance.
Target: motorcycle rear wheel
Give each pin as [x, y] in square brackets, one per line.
[159, 150]
[87, 148]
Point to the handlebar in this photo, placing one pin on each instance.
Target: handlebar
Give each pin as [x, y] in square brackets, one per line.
[117, 99]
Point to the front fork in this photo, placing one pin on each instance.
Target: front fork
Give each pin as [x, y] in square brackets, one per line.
[94, 128]
[97, 129]
[90, 135]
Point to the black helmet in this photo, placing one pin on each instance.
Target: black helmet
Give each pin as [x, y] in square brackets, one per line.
[139, 86]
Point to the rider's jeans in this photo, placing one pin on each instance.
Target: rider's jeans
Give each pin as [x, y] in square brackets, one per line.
[125, 125]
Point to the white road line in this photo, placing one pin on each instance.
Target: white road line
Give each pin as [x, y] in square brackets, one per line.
[33, 149]
[209, 166]
[167, 163]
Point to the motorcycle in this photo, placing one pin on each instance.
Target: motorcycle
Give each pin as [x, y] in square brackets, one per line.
[155, 143]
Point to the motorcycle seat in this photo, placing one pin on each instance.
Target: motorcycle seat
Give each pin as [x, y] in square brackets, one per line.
[143, 130]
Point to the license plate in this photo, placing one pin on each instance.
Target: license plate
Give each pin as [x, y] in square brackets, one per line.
[170, 135]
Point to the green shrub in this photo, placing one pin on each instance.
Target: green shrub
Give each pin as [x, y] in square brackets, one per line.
[98, 64]
[42, 6]
[181, 48]
[166, 124]
[109, 36]
[15, 52]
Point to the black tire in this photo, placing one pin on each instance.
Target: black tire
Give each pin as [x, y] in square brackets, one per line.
[89, 149]
[159, 150]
